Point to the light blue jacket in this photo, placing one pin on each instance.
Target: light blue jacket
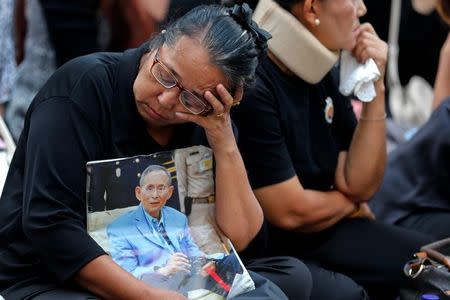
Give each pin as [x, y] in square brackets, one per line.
[139, 248]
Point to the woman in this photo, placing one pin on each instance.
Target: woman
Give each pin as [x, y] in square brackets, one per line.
[415, 193]
[312, 166]
[170, 93]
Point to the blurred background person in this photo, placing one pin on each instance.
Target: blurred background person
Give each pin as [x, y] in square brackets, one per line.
[7, 53]
[416, 188]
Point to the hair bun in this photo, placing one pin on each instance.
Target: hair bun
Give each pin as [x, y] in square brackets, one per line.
[242, 14]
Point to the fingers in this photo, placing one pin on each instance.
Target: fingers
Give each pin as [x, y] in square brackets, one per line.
[217, 124]
[221, 105]
[368, 27]
[180, 258]
[226, 100]
[369, 45]
[179, 262]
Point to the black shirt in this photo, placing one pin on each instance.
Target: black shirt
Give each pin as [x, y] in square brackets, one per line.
[86, 111]
[417, 176]
[284, 132]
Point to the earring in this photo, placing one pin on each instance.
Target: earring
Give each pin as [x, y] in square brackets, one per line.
[316, 22]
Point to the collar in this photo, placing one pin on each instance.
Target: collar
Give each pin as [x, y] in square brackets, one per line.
[154, 222]
[294, 45]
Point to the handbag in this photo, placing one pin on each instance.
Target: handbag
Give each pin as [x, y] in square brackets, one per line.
[429, 272]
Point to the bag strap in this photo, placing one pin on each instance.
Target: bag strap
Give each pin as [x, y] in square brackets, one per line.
[393, 78]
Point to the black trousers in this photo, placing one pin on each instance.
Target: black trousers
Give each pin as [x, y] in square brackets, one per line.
[352, 252]
[290, 274]
[432, 223]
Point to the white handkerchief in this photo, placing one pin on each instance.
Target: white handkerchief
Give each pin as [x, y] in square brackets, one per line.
[358, 79]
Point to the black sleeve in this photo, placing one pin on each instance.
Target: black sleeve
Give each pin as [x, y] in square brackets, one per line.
[60, 142]
[261, 140]
[72, 26]
[345, 116]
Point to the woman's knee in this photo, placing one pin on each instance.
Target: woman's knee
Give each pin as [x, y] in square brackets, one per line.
[334, 286]
[297, 280]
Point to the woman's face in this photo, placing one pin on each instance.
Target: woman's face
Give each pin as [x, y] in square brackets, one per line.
[189, 62]
[339, 22]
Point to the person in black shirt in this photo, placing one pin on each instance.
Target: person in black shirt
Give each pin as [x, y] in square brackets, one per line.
[173, 92]
[312, 166]
[415, 193]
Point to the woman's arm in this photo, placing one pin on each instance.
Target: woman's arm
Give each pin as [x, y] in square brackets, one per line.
[289, 206]
[360, 170]
[238, 213]
[105, 278]
[442, 82]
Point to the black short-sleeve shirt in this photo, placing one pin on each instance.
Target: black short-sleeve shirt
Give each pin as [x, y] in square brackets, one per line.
[283, 128]
[86, 111]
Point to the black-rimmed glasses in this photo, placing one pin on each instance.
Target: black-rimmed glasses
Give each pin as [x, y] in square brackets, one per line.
[166, 78]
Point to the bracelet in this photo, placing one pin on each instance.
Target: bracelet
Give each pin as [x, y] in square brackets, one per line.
[373, 119]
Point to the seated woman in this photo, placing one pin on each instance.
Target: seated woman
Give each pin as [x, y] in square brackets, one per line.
[416, 189]
[173, 92]
[312, 166]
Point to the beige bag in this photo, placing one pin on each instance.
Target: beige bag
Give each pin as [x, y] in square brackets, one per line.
[411, 105]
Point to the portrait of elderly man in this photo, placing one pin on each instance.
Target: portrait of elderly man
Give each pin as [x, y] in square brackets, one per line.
[153, 242]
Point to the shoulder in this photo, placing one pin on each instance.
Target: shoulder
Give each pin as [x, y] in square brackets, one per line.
[124, 221]
[84, 83]
[173, 213]
[81, 78]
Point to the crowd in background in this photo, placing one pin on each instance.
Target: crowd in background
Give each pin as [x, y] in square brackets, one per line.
[39, 36]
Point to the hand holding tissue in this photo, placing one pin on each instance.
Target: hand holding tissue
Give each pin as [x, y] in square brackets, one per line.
[358, 79]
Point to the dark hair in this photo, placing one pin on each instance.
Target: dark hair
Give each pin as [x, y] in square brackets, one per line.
[155, 168]
[286, 4]
[233, 41]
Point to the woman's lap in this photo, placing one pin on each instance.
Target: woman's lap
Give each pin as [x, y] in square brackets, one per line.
[433, 223]
[369, 252]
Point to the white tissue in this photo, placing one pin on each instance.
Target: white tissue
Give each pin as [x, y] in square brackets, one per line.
[358, 79]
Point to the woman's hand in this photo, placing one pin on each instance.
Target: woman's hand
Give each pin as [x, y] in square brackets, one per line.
[363, 211]
[369, 45]
[217, 123]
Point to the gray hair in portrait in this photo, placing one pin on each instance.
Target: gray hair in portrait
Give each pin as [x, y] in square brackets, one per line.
[155, 168]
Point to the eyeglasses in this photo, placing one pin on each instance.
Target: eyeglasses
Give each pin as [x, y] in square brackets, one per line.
[165, 77]
[160, 190]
